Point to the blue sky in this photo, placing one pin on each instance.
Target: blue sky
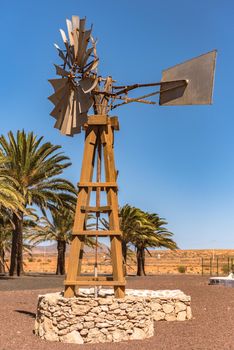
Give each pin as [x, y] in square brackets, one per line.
[176, 161]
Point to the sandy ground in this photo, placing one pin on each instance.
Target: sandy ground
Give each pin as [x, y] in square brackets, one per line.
[212, 326]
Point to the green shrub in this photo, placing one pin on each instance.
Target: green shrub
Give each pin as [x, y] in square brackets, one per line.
[181, 269]
[30, 259]
[225, 269]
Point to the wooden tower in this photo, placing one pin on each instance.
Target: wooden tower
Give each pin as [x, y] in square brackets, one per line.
[99, 138]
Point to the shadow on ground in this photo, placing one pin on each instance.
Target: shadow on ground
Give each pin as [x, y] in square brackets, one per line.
[27, 313]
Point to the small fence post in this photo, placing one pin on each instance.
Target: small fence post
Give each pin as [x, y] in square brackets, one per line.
[217, 265]
[210, 266]
[202, 266]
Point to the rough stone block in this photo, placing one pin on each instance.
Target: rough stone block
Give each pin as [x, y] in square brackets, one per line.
[72, 337]
[181, 316]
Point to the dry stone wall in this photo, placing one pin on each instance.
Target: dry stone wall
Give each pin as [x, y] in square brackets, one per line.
[85, 319]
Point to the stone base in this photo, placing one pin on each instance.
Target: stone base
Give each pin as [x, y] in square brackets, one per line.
[86, 319]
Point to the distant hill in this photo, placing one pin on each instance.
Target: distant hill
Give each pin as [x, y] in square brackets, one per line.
[156, 253]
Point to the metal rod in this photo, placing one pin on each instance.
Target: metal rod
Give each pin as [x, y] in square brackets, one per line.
[135, 86]
[136, 99]
[139, 99]
[98, 203]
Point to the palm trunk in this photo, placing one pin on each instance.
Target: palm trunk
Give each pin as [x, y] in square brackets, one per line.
[140, 261]
[61, 247]
[2, 260]
[143, 260]
[16, 264]
[124, 252]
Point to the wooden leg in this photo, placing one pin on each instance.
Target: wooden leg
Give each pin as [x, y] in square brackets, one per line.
[117, 263]
[75, 260]
[112, 200]
[73, 265]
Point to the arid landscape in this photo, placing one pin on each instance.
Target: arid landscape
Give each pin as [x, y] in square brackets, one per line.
[195, 262]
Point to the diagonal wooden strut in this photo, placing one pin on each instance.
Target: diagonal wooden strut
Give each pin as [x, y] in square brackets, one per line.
[97, 135]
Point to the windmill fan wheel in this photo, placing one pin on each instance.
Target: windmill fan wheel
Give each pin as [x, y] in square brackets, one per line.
[72, 97]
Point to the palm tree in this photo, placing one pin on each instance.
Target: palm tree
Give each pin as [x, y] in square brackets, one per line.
[132, 222]
[5, 238]
[10, 197]
[6, 227]
[35, 167]
[155, 236]
[58, 229]
[142, 230]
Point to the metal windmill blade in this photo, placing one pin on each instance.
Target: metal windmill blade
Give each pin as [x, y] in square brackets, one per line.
[72, 97]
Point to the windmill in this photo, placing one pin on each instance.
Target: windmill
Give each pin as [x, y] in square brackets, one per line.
[78, 89]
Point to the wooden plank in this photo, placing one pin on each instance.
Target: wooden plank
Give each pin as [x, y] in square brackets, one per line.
[97, 184]
[114, 123]
[101, 209]
[97, 233]
[75, 259]
[112, 200]
[83, 47]
[97, 119]
[94, 283]
[81, 37]
[86, 176]
[93, 278]
[73, 264]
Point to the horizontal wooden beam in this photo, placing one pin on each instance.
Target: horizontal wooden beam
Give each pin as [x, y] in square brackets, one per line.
[93, 278]
[97, 184]
[94, 283]
[97, 233]
[103, 209]
[97, 119]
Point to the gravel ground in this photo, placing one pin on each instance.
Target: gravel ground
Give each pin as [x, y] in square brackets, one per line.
[211, 328]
